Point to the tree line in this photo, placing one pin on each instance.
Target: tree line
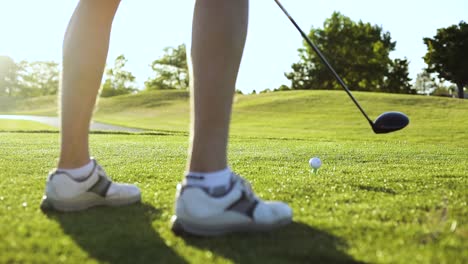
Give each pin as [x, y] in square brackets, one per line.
[28, 79]
[40, 78]
[359, 52]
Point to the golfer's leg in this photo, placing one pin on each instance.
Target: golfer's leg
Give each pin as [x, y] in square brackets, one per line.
[212, 200]
[84, 56]
[80, 183]
[218, 38]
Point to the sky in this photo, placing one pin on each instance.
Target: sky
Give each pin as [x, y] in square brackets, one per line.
[33, 30]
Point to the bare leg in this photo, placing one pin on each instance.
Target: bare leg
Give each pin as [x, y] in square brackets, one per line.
[219, 33]
[208, 202]
[84, 56]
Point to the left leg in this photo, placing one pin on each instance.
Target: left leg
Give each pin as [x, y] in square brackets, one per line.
[79, 182]
[85, 49]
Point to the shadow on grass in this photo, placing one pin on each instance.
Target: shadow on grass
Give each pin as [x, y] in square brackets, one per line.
[449, 176]
[118, 235]
[376, 189]
[101, 132]
[296, 243]
[126, 235]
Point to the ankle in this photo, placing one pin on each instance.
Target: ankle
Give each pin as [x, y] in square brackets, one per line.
[80, 172]
[73, 163]
[210, 180]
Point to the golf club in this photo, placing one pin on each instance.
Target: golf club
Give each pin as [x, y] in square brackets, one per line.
[386, 122]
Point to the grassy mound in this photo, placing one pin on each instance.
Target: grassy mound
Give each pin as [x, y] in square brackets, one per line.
[327, 115]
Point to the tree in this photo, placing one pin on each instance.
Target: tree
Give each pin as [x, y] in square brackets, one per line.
[358, 51]
[171, 70]
[118, 81]
[37, 78]
[398, 80]
[28, 79]
[282, 88]
[447, 55]
[442, 91]
[424, 83]
[8, 76]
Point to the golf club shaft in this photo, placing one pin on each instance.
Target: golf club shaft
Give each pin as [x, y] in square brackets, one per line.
[325, 61]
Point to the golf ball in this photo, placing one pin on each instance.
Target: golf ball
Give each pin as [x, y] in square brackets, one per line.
[315, 163]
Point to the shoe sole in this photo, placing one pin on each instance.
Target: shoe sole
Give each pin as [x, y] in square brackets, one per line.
[180, 227]
[79, 205]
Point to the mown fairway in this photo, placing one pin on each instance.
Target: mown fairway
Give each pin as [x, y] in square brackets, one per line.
[397, 198]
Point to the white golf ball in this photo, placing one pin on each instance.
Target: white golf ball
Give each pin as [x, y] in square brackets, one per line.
[315, 163]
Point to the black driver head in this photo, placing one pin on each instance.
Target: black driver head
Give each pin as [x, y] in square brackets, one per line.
[389, 122]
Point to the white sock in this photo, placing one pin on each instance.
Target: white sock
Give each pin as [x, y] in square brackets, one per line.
[210, 180]
[81, 172]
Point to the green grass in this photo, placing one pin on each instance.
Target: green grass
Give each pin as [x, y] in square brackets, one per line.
[23, 125]
[46, 105]
[398, 198]
[299, 114]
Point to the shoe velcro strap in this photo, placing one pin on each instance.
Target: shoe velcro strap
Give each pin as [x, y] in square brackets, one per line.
[244, 205]
[101, 186]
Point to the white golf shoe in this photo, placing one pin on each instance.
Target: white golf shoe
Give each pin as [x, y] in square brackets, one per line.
[63, 193]
[236, 209]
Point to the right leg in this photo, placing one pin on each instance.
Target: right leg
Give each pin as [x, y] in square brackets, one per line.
[212, 200]
[218, 38]
[79, 182]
